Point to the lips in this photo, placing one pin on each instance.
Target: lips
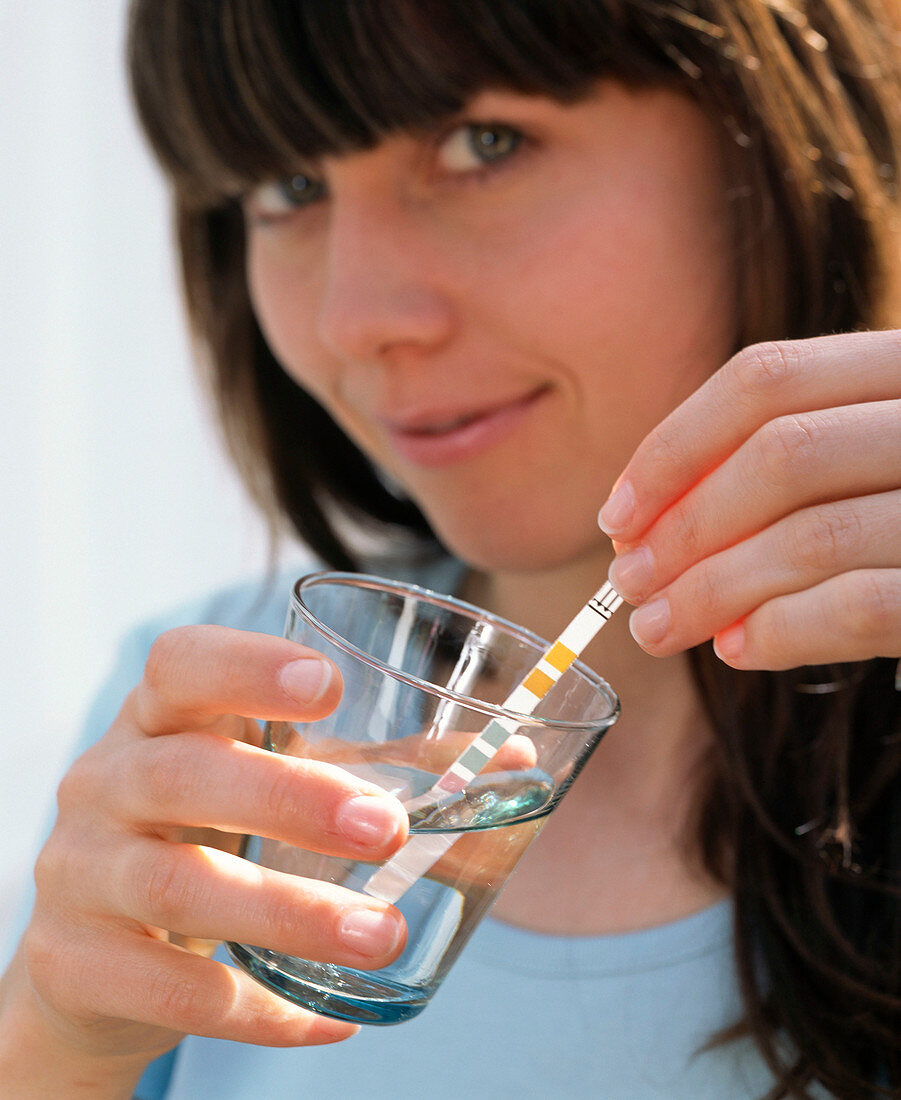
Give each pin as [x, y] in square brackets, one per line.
[442, 436]
[441, 427]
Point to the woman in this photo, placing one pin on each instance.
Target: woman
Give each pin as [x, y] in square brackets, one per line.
[456, 273]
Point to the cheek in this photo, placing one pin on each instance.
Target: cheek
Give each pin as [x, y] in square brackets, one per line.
[632, 295]
[283, 302]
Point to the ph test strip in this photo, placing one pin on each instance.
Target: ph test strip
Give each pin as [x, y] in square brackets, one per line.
[392, 880]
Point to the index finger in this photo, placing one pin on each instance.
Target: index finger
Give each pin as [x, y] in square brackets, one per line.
[196, 674]
[762, 382]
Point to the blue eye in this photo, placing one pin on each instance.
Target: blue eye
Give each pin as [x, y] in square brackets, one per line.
[278, 197]
[474, 145]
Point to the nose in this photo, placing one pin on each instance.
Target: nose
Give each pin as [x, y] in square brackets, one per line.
[382, 293]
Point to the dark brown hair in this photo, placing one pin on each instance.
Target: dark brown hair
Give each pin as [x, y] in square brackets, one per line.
[802, 815]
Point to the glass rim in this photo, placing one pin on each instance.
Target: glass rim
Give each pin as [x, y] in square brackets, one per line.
[454, 603]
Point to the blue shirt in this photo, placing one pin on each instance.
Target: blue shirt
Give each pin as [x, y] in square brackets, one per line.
[623, 1016]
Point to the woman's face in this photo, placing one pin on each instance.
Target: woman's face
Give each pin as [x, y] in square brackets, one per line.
[499, 311]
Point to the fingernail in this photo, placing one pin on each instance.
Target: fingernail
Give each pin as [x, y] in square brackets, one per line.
[729, 643]
[368, 819]
[619, 509]
[632, 573]
[306, 679]
[368, 932]
[650, 622]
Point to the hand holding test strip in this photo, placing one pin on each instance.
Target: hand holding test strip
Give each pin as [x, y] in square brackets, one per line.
[392, 880]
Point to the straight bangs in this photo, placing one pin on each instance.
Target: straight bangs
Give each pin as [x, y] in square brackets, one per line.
[232, 92]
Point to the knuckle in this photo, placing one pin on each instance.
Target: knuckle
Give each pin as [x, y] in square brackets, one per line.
[77, 787]
[786, 448]
[59, 962]
[86, 783]
[289, 921]
[667, 446]
[166, 885]
[41, 955]
[706, 587]
[159, 660]
[772, 631]
[870, 608]
[824, 538]
[50, 868]
[48, 957]
[166, 770]
[168, 657]
[688, 533]
[173, 996]
[768, 367]
[287, 805]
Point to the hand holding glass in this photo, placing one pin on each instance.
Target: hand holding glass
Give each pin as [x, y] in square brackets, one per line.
[423, 675]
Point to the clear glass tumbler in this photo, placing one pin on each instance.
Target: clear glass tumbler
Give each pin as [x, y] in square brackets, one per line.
[423, 674]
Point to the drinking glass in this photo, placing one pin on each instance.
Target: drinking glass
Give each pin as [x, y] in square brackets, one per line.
[423, 675]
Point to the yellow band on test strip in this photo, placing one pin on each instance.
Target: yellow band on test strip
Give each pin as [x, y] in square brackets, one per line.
[538, 682]
[560, 656]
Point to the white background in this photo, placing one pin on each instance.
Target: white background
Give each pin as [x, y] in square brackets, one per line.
[116, 500]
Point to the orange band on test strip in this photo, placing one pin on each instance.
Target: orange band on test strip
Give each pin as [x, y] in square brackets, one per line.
[538, 682]
[560, 656]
